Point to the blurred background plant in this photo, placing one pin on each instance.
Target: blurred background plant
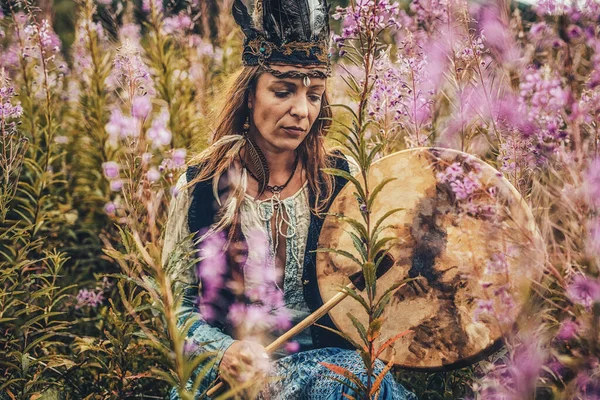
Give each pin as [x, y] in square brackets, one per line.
[102, 101]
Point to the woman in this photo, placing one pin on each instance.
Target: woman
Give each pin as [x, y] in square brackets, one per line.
[263, 174]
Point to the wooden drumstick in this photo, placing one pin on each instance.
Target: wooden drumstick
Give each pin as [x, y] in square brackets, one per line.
[357, 282]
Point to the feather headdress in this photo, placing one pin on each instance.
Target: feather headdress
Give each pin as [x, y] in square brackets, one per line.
[284, 32]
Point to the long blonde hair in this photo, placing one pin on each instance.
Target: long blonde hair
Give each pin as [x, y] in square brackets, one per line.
[228, 140]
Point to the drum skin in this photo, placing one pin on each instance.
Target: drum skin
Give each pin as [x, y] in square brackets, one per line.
[474, 270]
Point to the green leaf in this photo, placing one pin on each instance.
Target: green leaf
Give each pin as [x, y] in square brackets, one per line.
[385, 298]
[342, 253]
[358, 226]
[356, 296]
[385, 216]
[360, 328]
[347, 176]
[378, 246]
[359, 246]
[347, 108]
[376, 191]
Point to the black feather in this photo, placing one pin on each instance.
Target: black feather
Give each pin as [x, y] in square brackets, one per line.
[243, 19]
[294, 20]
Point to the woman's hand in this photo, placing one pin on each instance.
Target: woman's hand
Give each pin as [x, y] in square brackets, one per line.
[244, 361]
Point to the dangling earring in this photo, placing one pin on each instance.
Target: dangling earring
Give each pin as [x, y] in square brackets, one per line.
[246, 126]
[258, 168]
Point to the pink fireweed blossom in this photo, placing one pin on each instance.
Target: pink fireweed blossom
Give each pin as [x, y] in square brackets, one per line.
[178, 24]
[130, 72]
[542, 100]
[147, 5]
[497, 264]
[292, 347]
[116, 185]
[158, 133]
[211, 271]
[366, 15]
[472, 197]
[568, 330]
[141, 107]
[584, 290]
[152, 175]
[121, 127]
[483, 307]
[90, 298]
[130, 33]
[8, 109]
[110, 208]
[110, 169]
[178, 158]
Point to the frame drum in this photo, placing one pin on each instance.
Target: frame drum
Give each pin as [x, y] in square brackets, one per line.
[464, 232]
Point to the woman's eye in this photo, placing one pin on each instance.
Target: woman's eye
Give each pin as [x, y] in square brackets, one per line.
[282, 94]
[314, 98]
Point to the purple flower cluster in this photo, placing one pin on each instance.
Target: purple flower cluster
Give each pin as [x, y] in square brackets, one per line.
[147, 5]
[212, 269]
[264, 307]
[543, 100]
[430, 12]
[584, 290]
[159, 134]
[91, 298]
[177, 24]
[41, 40]
[517, 154]
[516, 377]
[82, 59]
[8, 110]
[473, 198]
[120, 126]
[130, 72]
[366, 16]
[401, 97]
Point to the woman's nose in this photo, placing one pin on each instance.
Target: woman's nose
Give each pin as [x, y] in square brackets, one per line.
[300, 107]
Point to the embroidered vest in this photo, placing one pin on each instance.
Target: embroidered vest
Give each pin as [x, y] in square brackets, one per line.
[201, 215]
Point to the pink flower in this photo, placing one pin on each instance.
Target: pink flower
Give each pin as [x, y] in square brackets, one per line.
[141, 107]
[179, 158]
[110, 208]
[583, 290]
[568, 330]
[116, 185]
[121, 127]
[497, 264]
[158, 133]
[89, 298]
[111, 169]
[483, 307]
[153, 175]
[292, 347]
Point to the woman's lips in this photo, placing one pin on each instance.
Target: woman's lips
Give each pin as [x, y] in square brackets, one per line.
[293, 131]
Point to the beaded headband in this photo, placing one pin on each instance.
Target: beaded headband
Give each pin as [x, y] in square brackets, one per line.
[286, 32]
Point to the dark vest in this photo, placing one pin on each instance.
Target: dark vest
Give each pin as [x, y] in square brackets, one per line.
[201, 215]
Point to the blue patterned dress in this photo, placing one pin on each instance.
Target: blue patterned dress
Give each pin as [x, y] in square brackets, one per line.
[299, 376]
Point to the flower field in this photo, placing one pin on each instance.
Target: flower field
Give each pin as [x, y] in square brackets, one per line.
[100, 120]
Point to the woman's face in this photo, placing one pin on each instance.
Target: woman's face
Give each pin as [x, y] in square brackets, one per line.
[284, 110]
